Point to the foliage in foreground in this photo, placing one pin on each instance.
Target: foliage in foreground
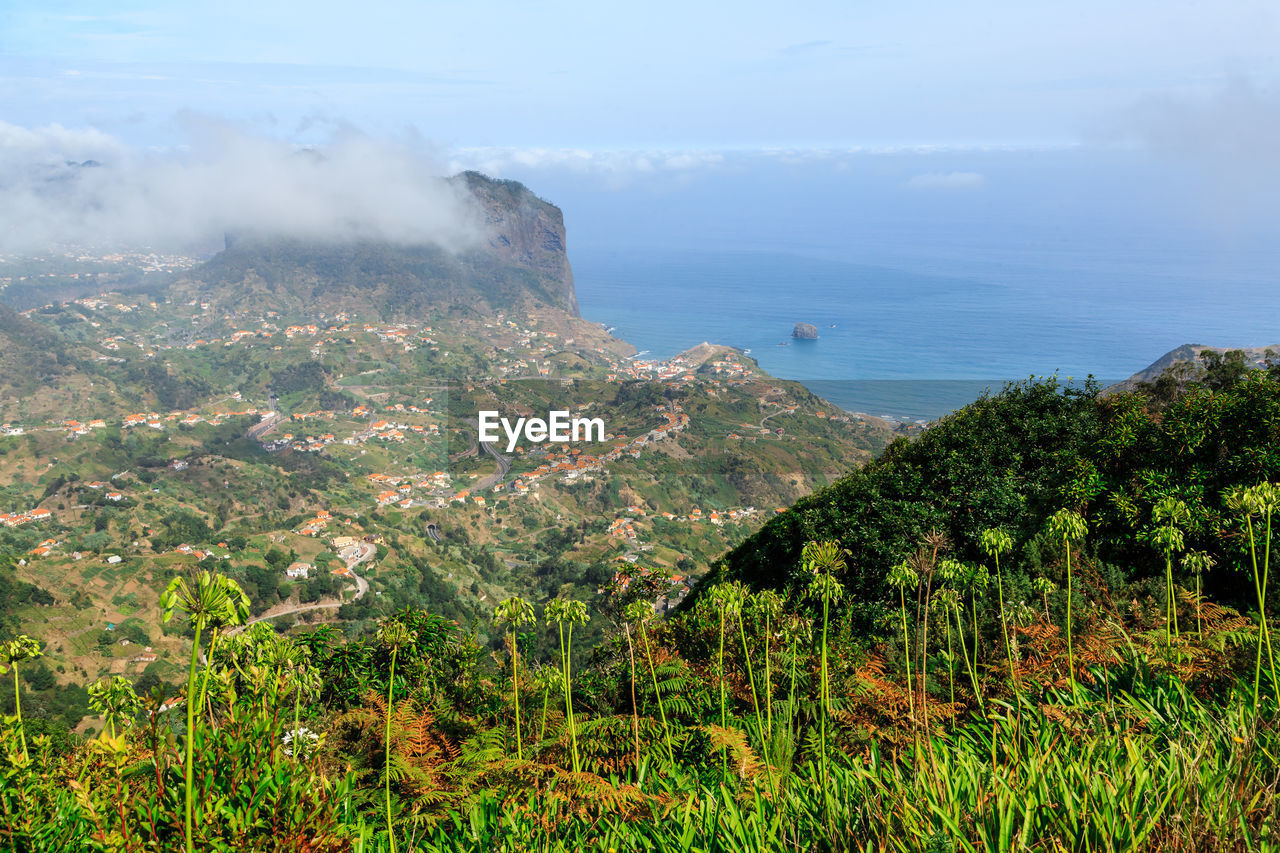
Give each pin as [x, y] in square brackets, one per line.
[1161, 747]
[987, 690]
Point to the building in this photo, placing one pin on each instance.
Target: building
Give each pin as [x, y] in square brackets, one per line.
[299, 570]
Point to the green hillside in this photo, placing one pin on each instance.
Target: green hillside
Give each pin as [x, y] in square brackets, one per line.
[1014, 458]
[263, 588]
[181, 438]
[1058, 652]
[373, 279]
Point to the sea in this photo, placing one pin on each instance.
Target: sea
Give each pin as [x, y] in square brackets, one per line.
[910, 335]
[932, 276]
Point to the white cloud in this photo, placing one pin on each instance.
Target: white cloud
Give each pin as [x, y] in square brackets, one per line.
[222, 180]
[618, 167]
[1226, 139]
[612, 168]
[1234, 124]
[608, 162]
[947, 181]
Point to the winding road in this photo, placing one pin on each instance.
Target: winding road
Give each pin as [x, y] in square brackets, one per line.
[361, 553]
[504, 465]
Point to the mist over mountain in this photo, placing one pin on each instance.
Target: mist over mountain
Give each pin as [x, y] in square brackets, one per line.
[86, 188]
[521, 263]
[358, 225]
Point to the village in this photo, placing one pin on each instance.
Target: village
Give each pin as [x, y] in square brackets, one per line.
[388, 412]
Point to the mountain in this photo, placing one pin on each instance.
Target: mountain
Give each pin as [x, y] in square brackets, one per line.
[1013, 459]
[520, 265]
[1190, 355]
[526, 232]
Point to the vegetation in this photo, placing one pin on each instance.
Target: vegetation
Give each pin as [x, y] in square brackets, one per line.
[799, 703]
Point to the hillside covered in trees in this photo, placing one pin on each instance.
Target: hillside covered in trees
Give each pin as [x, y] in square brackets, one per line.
[1013, 459]
[1044, 625]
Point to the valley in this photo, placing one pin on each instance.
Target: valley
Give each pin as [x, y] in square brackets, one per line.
[188, 432]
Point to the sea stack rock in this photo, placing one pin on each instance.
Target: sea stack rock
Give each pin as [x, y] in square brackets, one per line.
[805, 332]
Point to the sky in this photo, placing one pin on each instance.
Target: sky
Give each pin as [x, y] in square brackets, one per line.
[655, 75]
[924, 102]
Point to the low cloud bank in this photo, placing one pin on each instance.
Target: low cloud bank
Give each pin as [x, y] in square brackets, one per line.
[947, 181]
[1225, 139]
[63, 186]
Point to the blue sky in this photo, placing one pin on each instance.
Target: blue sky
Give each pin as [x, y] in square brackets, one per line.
[969, 118]
[602, 76]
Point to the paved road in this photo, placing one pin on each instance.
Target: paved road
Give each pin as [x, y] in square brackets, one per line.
[259, 430]
[363, 553]
[504, 465]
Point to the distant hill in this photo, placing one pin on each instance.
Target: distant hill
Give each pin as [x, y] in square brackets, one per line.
[30, 355]
[1189, 354]
[704, 352]
[523, 264]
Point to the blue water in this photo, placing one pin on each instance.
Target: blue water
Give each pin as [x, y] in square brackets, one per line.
[915, 334]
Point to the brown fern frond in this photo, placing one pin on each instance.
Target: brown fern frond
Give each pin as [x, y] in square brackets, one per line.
[746, 763]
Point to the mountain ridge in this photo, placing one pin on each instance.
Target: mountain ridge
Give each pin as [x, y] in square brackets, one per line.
[519, 262]
[1189, 354]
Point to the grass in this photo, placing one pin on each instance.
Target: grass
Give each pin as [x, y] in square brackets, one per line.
[1126, 753]
[1157, 770]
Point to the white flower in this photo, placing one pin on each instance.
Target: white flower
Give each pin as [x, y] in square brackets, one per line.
[306, 738]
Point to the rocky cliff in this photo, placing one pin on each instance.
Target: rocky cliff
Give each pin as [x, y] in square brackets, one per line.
[519, 264]
[525, 230]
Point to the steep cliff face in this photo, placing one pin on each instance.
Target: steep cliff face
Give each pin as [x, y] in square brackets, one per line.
[520, 263]
[525, 230]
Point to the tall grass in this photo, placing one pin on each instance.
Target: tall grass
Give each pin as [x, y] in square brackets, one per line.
[1170, 515]
[515, 612]
[566, 611]
[208, 599]
[903, 577]
[1068, 526]
[394, 636]
[1151, 768]
[1144, 751]
[1261, 500]
[995, 542]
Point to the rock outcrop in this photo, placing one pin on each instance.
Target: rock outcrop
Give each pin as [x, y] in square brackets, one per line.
[521, 265]
[805, 332]
[525, 231]
[1188, 354]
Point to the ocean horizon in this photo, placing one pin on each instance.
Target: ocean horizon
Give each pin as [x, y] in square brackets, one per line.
[912, 338]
